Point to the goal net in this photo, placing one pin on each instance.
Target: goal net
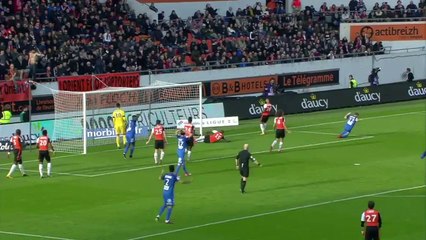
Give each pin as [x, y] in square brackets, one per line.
[84, 119]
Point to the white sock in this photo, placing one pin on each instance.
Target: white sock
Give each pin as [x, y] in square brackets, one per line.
[155, 157]
[261, 128]
[189, 155]
[281, 145]
[161, 156]
[273, 143]
[40, 169]
[12, 169]
[49, 168]
[21, 168]
[264, 127]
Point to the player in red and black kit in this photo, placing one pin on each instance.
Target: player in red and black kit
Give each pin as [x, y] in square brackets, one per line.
[160, 139]
[189, 133]
[215, 137]
[267, 108]
[371, 222]
[17, 143]
[44, 145]
[280, 130]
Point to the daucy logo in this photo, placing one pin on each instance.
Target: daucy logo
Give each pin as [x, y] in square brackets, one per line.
[313, 102]
[256, 110]
[367, 96]
[418, 91]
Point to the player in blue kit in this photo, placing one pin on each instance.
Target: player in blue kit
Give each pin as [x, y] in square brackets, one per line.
[182, 146]
[423, 155]
[170, 180]
[350, 124]
[131, 137]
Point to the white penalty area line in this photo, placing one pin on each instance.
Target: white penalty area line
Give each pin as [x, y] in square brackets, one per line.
[33, 235]
[56, 173]
[227, 157]
[276, 212]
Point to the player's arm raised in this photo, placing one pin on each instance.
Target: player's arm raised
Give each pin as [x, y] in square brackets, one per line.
[347, 115]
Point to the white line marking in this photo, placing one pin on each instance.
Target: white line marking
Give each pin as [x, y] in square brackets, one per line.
[227, 157]
[56, 173]
[33, 235]
[318, 133]
[275, 212]
[403, 196]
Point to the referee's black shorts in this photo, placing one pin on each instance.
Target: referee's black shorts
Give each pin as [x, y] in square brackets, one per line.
[244, 172]
[372, 233]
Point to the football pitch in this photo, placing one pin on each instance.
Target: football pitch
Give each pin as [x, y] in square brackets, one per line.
[315, 189]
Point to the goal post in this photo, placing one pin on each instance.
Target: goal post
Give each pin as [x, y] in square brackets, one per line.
[84, 119]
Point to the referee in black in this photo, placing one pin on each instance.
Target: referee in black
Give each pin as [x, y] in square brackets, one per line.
[242, 164]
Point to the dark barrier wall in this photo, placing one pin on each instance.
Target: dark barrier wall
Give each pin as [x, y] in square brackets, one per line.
[249, 107]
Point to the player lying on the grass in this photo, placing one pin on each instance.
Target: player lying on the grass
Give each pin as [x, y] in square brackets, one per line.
[280, 130]
[215, 137]
[182, 146]
[168, 192]
[350, 124]
[131, 136]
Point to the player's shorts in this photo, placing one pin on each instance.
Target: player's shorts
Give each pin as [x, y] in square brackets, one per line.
[264, 118]
[159, 144]
[168, 200]
[207, 139]
[279, 133]
[43, 155]
[120, 130]
[190, 142]
[131, 139]
[17, 156]
[244, 172]
[372, 233]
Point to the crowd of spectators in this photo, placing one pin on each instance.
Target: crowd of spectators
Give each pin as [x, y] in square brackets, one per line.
[73, 37]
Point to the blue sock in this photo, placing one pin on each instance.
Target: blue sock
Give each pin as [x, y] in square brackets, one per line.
[169, 213]
[127, 148]
[423, 155]
[178, 168]
[132, 149]
[184, 168]
[162, 210]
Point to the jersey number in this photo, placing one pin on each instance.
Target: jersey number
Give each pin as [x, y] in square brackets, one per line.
[158, 131]
[166, 184]
[371, 218]
[43, 143]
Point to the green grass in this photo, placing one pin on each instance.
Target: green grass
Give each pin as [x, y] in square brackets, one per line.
[312, 190]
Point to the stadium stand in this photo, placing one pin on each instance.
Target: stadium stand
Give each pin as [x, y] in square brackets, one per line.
[86, 37]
